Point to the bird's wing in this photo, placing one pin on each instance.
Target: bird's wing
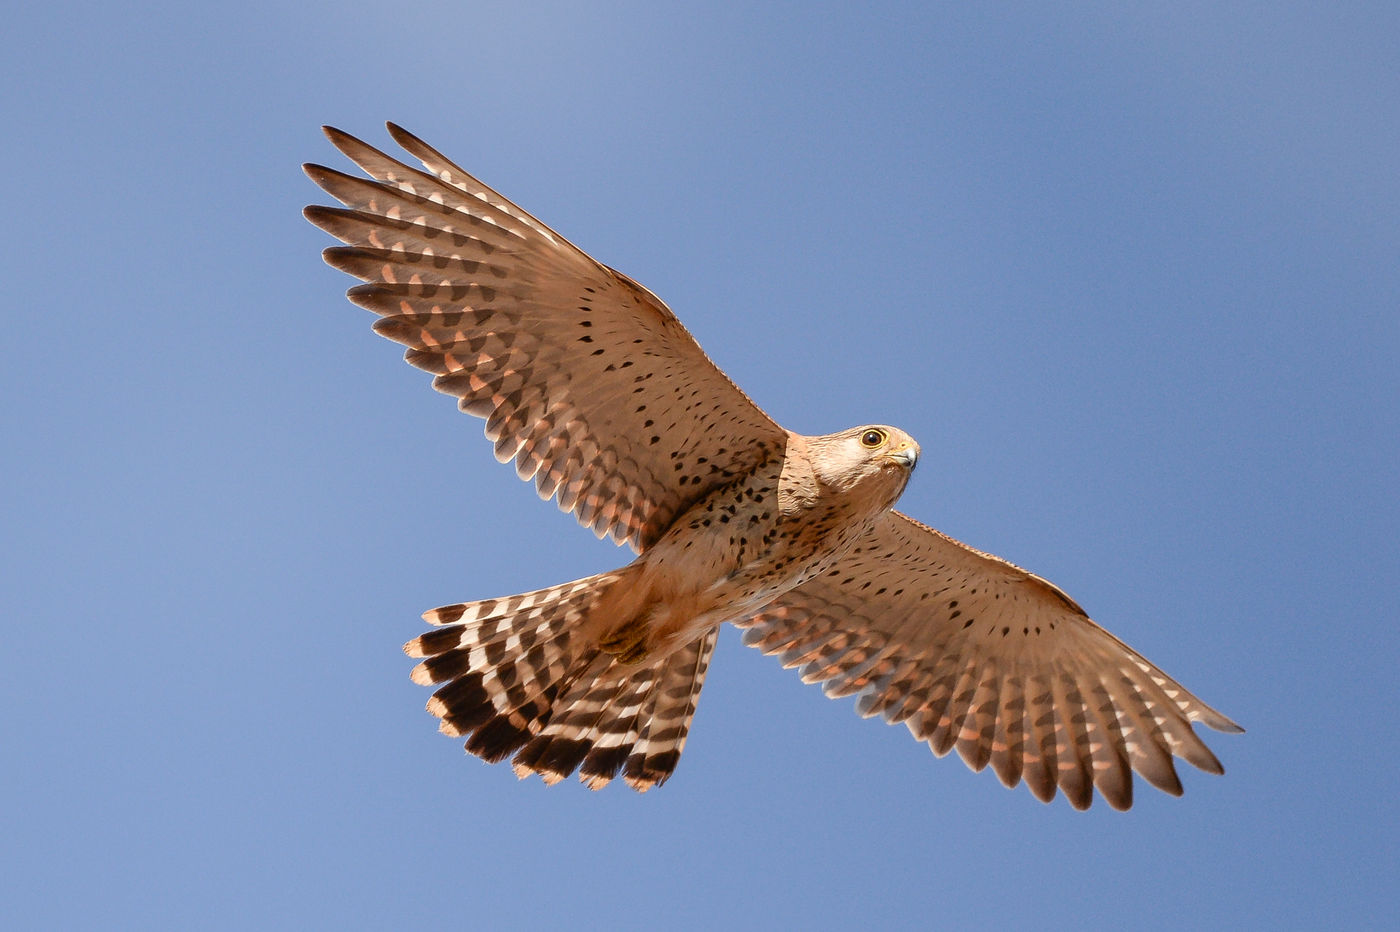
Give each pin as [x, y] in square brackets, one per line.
[974, 653]
[584, 377]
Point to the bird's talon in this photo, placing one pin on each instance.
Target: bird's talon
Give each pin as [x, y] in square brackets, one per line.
[627, 644]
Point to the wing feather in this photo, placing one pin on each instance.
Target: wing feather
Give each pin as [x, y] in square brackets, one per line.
[585, 379]
[974, 653]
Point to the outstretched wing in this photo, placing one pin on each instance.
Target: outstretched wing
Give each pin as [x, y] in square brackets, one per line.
[584, 377]
[972, 652]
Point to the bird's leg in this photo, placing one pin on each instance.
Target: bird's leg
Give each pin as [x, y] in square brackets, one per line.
[628, 641]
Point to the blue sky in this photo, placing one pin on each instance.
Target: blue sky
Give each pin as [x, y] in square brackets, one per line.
[1130, 273]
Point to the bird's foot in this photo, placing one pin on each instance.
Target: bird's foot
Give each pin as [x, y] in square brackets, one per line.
[628, 642]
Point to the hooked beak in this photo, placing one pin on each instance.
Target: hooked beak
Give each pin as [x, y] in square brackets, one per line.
[907, 455]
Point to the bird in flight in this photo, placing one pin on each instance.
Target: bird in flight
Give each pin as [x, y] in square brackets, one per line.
[599, 395]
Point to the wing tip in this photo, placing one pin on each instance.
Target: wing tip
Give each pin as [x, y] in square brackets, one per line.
[1198, 711]
[320, 216]
[1225, 725]
[400, 135]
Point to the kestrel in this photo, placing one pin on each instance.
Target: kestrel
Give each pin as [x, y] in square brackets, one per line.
[599, 395]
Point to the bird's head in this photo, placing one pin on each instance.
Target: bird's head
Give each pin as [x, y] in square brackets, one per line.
[874, 460]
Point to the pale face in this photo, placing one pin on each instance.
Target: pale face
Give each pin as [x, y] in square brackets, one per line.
[873, 461]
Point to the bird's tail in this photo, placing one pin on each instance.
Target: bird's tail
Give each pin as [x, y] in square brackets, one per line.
[523, 675]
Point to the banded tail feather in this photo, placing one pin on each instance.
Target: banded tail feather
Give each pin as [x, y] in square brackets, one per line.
[520, 675]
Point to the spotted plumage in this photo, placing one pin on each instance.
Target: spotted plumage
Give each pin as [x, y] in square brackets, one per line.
[602, 399]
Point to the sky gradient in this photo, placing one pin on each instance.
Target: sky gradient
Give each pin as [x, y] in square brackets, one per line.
[1130, 274]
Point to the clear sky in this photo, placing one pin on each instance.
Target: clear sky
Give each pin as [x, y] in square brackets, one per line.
[1129, 272]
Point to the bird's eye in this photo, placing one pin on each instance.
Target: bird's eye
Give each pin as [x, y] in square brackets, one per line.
[872, 438]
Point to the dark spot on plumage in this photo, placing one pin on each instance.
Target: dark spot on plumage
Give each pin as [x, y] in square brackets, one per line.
[506, 674]
[586, 338]
[563, 755]
[654, 768]
[598, 352]
[462, 698]
[529, 755]
[435, 642]
[448, 665]
[604, 761]
[496, 739]
[494, 652]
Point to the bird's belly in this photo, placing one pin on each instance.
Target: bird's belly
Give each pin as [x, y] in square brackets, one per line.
[711, 576]
[750, 587]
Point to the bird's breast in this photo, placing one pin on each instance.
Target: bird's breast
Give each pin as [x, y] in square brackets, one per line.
[735, 551]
